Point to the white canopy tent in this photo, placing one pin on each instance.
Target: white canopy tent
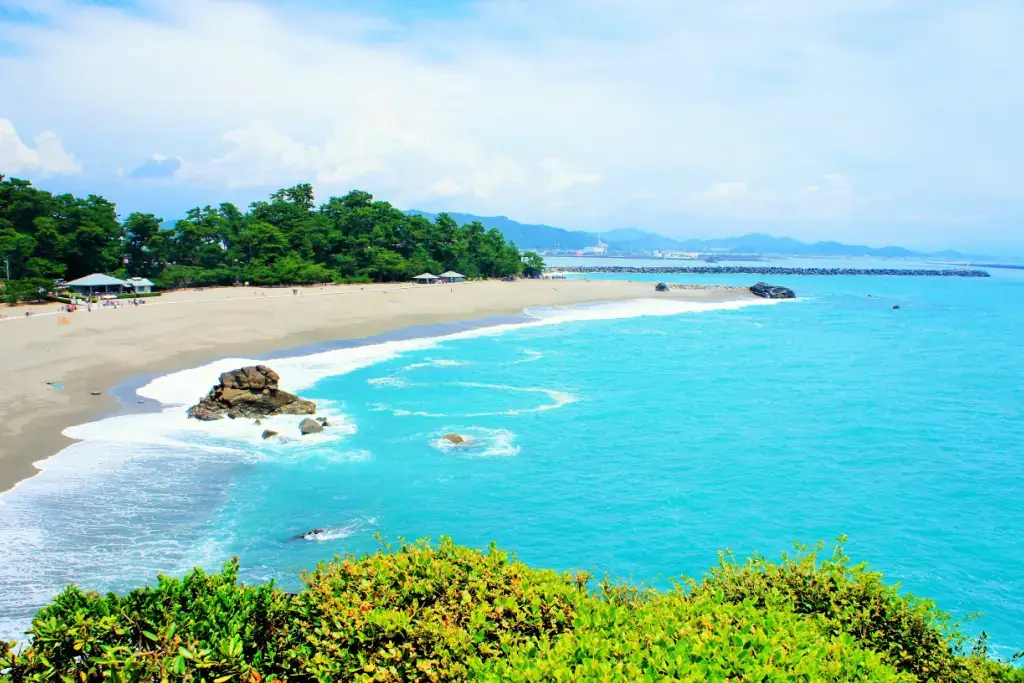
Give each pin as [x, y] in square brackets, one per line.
[426, 279]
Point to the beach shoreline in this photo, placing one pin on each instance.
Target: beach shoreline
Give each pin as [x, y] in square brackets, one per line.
[98, 358]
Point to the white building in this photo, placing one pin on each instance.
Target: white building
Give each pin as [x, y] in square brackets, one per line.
[452, 276]
[141, 285]
[97, 283]
[426, 279]
[600, 250]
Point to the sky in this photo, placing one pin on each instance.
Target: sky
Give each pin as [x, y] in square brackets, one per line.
[869, 121]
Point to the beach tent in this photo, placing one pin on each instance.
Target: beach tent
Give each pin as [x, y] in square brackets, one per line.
[452, 276]
[141, 285]
[425, 279]
[97, 282]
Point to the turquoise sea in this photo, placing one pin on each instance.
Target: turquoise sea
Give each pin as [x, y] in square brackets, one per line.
[636, 439]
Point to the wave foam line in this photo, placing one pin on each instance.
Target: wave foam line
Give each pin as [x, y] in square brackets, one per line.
[439, 363]
[301, 372]
[560, 398]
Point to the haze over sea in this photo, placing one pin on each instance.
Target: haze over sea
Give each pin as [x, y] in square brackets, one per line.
[636, 439]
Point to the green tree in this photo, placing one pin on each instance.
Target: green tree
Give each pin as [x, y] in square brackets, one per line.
[141, 249]
[533, 264]
[285, 239]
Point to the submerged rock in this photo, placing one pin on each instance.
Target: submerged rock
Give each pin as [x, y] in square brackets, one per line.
[249, 392]
[309, 426]
[767, 291]
[323, 421]
[310, 535]
[896, 307]
[455, 438]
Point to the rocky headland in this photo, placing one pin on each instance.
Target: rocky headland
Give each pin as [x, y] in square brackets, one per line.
[250, 392]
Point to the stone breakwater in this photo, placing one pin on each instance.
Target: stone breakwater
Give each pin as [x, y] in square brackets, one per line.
[767, 270]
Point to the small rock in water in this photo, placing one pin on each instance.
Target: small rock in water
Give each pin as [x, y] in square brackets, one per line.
[455, 438]
[267, 433]
[323, 421]
[95, 393]
[309, 426]
[896, 307]
[661, 287]
[310, 535]
[258, 421]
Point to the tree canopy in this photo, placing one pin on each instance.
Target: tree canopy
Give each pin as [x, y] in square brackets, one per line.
[286, 239]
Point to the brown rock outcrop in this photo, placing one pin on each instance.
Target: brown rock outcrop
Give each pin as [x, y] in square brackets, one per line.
[250, 392]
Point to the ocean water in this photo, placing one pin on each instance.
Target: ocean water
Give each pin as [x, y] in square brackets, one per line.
[634, 438]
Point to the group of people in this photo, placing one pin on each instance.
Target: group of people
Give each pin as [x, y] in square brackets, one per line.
[102, 303]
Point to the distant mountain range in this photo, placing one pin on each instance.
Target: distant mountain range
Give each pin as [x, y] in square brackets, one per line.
[633, 240]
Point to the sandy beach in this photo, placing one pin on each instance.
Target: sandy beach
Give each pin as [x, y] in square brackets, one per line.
[92, 352]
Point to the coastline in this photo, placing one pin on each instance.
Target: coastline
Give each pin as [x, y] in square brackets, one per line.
[99, 359]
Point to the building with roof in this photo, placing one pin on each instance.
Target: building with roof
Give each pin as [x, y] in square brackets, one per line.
[451, 276]
[426, 279]
[140, 285]
[98, 283]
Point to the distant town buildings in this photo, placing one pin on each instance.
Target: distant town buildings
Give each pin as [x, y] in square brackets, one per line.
[600, 250]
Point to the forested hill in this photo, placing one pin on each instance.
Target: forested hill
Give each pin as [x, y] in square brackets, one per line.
[633, 240]
[287, 239]
[527, 235]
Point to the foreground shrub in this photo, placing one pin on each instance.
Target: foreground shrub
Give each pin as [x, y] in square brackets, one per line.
[673, 637]
[203, 627]
[911, 634]
[448, 613]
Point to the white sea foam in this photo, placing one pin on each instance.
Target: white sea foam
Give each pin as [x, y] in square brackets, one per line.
[333, 533]
[636, 308]
[301, 372]
[387, 381]
[402, 412]
[438, 363]
[531, 357]
[558, 398]
[481, 442]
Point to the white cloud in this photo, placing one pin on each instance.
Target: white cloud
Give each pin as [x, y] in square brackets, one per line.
[632, 112]
[47, 157]
[722, 193]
